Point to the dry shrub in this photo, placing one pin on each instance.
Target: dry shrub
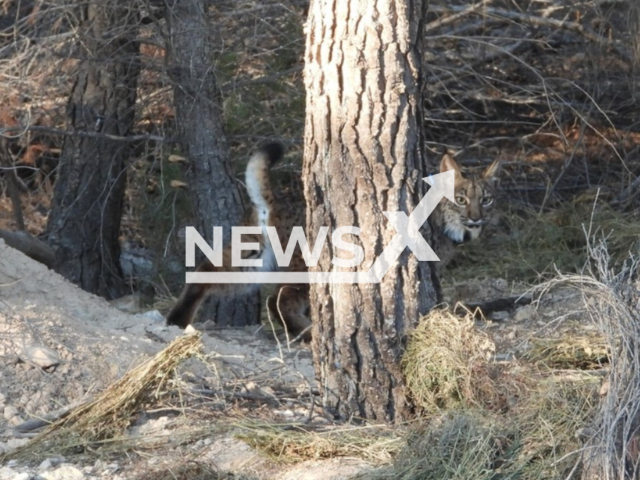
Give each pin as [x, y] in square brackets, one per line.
[612, 296]
[108, 416]
[296, 443]
[547, 425]
[445, 362]
[535, 441]
[458, 445]
[586, 352]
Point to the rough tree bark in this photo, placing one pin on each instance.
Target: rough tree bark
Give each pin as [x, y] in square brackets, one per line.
[364, 155]
[84, 222]
[213, 190]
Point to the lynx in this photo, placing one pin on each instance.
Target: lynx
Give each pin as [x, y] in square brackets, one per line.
[473, 210]
[458, 222]
[290, 304]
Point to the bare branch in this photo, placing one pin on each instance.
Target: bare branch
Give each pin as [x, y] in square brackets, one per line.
[6, 132]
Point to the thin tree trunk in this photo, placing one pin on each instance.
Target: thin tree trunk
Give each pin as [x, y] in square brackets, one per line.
[213, 190]
[12, 183]
[364, 156]
[84, 222]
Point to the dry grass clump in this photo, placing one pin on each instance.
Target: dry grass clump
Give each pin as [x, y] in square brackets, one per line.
[108, 416]
[486, 421]
[535, 441]
[585, 352]
[547, 425]
[296, 443]
[445, 362]
[458, 445]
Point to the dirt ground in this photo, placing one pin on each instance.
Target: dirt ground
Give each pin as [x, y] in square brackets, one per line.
[89, 343]
[94, 343]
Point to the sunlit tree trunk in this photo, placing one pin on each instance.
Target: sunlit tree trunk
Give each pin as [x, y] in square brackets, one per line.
[363, 156]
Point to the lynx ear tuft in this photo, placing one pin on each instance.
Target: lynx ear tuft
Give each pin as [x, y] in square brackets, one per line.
[448, 163]
[492, 173]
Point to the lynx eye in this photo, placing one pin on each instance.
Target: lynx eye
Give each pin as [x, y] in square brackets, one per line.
[461, 200]
[486, 201]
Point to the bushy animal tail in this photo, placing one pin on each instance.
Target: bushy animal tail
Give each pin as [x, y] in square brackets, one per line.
[259, 188]
[257, 180]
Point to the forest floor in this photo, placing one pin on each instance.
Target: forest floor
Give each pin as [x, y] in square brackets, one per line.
[218, 410]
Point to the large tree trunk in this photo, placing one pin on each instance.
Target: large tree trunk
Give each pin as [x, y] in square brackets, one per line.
[363, 156]
[84, 222]
[214, 194]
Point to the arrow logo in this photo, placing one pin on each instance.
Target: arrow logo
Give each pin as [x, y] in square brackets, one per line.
[407, 235]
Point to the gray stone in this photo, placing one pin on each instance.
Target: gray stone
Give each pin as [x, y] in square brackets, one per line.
[64, 472]
[39, 355]
[154, 315]
[10, 411]
[528, 312]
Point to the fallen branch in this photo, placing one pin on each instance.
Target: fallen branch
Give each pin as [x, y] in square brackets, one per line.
[494, 305]
[111, 412]
[22, 129]
[38, 423]
[30, 246]
[456, 16]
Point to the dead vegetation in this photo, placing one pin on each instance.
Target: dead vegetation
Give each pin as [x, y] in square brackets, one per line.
[378, 444]
[105, 419]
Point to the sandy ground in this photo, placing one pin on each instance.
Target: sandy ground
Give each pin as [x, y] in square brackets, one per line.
[44, 318]
[88, 343]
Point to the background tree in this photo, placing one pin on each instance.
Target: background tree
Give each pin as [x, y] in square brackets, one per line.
[84, 222]
[363, 156]
[212, 187]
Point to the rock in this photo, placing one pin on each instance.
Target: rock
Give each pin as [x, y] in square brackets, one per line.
[127, 304]
[39, 355]
[7, 473]
[527, 312]
[12, 415]
[15, 443]
[208, 325]
[10, 411]
[499, 316]
[64, 472]
[154, 315]
[50, 463]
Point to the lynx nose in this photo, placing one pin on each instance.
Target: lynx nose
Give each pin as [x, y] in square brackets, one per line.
[474, 223]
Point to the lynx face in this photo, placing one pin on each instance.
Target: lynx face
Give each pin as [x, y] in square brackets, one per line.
[475, 198]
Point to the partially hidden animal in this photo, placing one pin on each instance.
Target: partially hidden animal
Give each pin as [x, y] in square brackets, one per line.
[456, 223]
[290, 304]
[473, 210]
